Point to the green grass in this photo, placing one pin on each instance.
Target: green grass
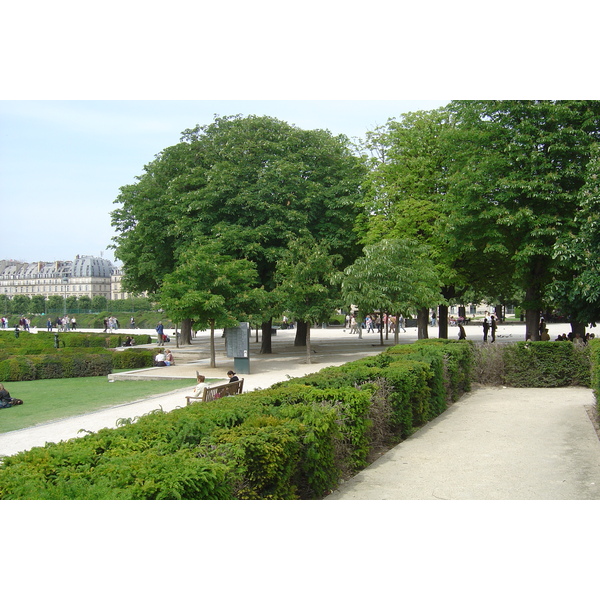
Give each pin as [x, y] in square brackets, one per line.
[51, 399]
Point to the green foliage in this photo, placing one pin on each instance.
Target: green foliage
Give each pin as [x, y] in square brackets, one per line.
[211, 288]
[515, 176]
[86, 471]
[263, 453]
[33, 356]
[393, 275]
[291, 441]
[304, 280]
[546, 364]
[250, 182]
[576, 289]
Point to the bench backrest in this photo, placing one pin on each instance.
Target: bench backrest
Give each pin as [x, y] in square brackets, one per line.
[225, 389]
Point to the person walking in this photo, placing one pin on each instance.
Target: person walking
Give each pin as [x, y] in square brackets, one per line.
[160, 333]
[401, 323]
[486, 326]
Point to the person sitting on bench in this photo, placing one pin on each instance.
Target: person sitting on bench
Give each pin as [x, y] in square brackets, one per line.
[199, 389]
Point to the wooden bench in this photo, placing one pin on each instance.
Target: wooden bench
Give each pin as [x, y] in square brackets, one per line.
[218, 391]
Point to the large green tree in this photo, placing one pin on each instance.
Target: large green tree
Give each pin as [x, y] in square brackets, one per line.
[211, 289]
[304, 275]
[395, 276]
[253, 183]
[576, 288]
[404, 191]
[516, 171]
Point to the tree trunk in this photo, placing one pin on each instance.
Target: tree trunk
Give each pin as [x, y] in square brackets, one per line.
[533, 301]
[265, 347]
[301, 329]
[578, 328]
[397, 331]
[422, 322]
[532, 324]
[213, 362]
[443, 321]
[499, 310]
[308, 357]
[186, 332]
[381, 329]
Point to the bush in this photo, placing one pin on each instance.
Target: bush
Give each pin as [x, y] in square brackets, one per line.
[546, 364]
[33, 356]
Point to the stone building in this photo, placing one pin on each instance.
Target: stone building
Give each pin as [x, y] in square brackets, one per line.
[84, 276]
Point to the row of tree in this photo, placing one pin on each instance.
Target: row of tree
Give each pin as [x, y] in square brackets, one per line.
[21, 304]
[250, 217]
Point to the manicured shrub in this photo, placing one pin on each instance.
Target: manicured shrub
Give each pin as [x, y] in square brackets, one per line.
[293, 440]
[134, 358]
[546, 364]
[261, 454]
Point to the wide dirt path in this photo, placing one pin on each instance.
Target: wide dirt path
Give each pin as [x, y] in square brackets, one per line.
[493, 444]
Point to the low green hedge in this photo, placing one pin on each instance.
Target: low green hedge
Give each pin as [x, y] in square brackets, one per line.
[33, 356]
[546, 364]
[82, 362]
[73, 339]
[293, 440]
[54, 366]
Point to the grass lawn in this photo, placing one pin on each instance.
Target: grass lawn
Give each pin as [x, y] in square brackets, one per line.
[51, 399]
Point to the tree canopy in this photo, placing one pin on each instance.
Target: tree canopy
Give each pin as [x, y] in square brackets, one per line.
[504, 194]
[211, 289]
[252, 183]
[516, 171]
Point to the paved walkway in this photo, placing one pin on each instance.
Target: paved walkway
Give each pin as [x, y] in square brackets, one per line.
[492, 444]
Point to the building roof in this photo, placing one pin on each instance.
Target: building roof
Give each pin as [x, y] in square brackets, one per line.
[82, 266]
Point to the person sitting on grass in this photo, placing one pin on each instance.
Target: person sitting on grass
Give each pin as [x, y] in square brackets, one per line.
[169, 360]
[159, 359]
[5, 399]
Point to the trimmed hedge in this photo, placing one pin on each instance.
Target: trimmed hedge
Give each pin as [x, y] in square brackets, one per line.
[33, 356]
[293, 440]
[73, 339]
[546, 364]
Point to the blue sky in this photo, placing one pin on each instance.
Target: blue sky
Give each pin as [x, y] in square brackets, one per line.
[62, 162]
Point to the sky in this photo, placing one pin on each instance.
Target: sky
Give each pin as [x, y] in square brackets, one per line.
[62, 162]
